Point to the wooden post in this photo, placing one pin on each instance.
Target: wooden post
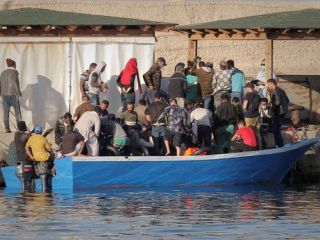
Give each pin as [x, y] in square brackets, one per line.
[192, 49]
[268, 52]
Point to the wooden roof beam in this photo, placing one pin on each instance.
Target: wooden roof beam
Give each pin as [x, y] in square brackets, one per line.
[72, 28]
[255, 31]
[96, 28]
[121, 28]
[3, 27]
[23, 28]
[47, 28]
[240, 31]
[146, 28]
[309, 31]
[285, 31]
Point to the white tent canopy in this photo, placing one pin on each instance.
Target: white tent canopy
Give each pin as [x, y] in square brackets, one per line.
[50, 69]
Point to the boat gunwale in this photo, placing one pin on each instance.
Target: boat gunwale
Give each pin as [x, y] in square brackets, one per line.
[226, 156]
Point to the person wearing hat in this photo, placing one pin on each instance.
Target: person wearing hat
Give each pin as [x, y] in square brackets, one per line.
[152, 77]
[39, 150]
[221, 83]
[10, 92]
[158, 125]
[251, 106]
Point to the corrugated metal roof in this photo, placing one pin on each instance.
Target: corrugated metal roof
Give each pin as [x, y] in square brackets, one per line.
[37, 16]
[307, 18]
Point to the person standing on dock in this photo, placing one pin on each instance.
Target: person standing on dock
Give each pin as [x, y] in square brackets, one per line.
[279, 109]
[10, 93]
[95, 83]
[84, 79]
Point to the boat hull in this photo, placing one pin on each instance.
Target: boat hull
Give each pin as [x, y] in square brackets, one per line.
[267, 166]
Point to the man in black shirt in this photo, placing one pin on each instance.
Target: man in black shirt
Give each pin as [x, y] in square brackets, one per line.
[158, 130]
[251, 106]
[279, 109]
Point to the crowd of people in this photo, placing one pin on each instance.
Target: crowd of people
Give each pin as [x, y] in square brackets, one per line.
[203, 107]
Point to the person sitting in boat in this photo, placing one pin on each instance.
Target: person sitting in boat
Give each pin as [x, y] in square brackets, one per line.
[114, 133]
[203, 120]
[129, 118]
[89, 127]
[72, 143]
[227, 118]
[244, 139]
[61, 127]
[26, 175]
[158, 130]
[39, 150]
[177, 120]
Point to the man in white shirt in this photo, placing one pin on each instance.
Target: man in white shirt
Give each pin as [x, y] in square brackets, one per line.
[202, 118]
[89, 127]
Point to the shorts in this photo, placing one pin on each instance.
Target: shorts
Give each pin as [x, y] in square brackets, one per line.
[175, 137]
[158, 131]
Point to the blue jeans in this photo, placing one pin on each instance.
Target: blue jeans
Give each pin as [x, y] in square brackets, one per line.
[276, 127]
[158, 133]
[207, 102]
[9, 101]
[127, 98]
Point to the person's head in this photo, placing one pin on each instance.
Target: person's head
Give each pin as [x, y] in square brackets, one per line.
[272, 84]
[10, 63]
[70, 129]
[249, 87]
[104, 104]
[85, 99]
[162, 62]
[199, 104]
[130, 107]
[67, 117]
[225, 97]
[22, 126]
[264, 102]
[235, 100]
[142, 102]
[38, 129]
[173, 102]
[189, 104]
[190, 64]
[101, 67]
[209, 65]
[223, 65]
[230, 63]
[179, 68]
[157, 97]
[202, 64]
[197, 60]
[98, 110]
[241, 124]
[92, 67]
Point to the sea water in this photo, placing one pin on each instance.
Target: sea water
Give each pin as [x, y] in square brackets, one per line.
[239, 212]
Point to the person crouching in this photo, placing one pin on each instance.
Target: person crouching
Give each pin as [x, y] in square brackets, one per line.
[39, 150]
[244, 139]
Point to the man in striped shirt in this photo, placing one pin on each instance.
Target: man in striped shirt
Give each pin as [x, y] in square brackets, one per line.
[10, 92]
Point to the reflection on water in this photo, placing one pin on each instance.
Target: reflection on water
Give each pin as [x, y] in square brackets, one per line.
[252, 212]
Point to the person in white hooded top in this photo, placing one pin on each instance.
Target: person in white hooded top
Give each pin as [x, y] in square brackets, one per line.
[89, 127]
[96, 84]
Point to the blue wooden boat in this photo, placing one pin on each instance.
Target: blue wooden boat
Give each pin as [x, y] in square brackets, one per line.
[264, 166]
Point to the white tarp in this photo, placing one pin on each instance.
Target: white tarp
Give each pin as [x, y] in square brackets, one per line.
[47, 66]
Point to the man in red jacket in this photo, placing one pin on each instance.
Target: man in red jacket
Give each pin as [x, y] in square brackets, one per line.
[244, 139]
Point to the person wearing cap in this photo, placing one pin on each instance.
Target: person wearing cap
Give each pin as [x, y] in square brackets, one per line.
[177, 121]
[152, 77]
[221, 83]
[10, 93]
[158, 126]
[251, 106]
[61, 127]
[84, 79]
[177, 85]
[238, 81]
[89, 127]
[205, 76]
[39, 150]
[95, 83]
